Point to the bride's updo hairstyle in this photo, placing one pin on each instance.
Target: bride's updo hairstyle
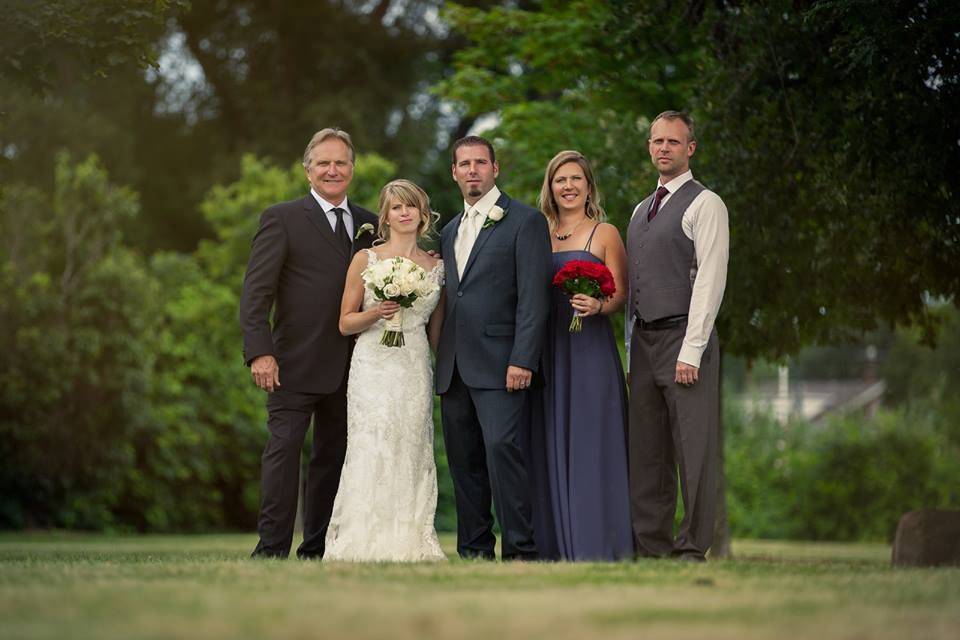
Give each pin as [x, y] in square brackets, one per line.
[404, 192]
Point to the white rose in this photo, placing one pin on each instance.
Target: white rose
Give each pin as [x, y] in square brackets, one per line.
[385, 272]
[495, 214]
[391, 290]
[425, 288]
[407, 286]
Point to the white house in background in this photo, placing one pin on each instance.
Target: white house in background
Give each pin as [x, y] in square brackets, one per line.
[813, 400]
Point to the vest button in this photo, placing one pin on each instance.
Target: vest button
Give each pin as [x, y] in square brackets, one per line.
[459, 294]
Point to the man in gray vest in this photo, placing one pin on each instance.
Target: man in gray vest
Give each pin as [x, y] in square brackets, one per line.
[677, 245]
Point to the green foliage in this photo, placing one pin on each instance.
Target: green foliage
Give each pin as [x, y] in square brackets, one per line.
[798, 106]
[446, 518]
[44, 39]
[832, 233]
[230, 78]
[76, 370]
[914, 370]
[850, 479]
[125, 400]
[556, 78]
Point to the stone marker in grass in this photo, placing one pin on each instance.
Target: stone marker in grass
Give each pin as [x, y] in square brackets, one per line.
[927, 538]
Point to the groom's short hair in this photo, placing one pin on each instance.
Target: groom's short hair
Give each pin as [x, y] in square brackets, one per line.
[683, 116]
[472, 141]
[324, 134]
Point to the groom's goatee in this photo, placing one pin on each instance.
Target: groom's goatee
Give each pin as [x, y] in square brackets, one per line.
[475, 192]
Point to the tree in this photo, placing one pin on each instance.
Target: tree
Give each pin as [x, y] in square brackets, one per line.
[125, 400]
[50, 41]
[253, 76]
[799, 106]
[76, 366]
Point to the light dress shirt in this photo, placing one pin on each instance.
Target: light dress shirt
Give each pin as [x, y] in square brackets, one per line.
[706, 223]
[331, 216]
[473, 219]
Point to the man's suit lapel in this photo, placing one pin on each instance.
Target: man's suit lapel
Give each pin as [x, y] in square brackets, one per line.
[504, 203]
[448, 248]
[319, 220]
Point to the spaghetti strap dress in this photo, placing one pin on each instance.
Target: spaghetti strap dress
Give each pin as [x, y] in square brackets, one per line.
[578, 441]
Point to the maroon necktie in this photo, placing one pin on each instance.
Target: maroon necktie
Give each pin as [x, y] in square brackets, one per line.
[661, 193]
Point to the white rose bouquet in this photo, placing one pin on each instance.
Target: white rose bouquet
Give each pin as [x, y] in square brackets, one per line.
[399, 280]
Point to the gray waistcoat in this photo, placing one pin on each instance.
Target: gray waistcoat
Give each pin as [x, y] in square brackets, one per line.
[662, 261]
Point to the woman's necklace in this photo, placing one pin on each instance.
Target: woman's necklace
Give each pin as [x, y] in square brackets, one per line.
[564, 236]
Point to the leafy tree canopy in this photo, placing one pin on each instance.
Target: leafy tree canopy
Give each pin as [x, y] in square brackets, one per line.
[828, 128]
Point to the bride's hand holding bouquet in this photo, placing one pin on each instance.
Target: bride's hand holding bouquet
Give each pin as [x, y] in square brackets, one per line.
[397, 283]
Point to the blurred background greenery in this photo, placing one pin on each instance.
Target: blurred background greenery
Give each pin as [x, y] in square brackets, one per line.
[140, 140]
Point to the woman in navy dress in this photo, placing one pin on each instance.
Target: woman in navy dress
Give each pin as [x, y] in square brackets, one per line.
[579, 449]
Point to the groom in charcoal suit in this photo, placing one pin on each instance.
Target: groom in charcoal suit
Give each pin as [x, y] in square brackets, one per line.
[298, 263]
[498, 280]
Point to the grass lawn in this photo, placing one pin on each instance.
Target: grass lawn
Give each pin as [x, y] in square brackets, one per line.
[60, 585]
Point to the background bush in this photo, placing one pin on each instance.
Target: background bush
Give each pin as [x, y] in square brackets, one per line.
[846, 479]
[125, 404]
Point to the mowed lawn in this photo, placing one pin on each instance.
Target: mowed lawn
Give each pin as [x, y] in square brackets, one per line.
[59, 585]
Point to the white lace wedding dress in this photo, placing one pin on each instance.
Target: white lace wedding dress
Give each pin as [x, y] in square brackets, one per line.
[385, 506]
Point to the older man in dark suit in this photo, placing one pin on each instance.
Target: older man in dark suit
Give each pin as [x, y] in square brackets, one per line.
[498, 280]
[298, 264]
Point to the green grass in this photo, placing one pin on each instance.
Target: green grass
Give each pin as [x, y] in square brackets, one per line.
[60, 585]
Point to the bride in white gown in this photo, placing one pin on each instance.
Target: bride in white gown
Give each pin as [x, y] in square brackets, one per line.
[385, 506]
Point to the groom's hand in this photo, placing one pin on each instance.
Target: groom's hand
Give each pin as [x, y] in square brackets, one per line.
[518, 378]
[266, 373]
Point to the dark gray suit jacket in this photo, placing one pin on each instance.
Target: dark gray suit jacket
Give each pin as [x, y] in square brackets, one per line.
[497, 315]
[297, 262]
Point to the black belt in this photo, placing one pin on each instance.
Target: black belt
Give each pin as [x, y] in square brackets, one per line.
[661, 323]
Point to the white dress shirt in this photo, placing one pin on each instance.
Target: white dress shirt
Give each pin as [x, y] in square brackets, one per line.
[473, 219]
[331, 216]
[706, 223]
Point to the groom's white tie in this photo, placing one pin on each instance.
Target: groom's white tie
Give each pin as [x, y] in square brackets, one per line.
[466, 237]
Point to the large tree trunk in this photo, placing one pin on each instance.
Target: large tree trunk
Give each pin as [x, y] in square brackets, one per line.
[721, 528]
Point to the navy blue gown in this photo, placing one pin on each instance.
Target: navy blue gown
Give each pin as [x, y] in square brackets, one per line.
[578, 438]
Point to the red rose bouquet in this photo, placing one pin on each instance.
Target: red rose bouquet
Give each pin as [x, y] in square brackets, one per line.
[589, 278]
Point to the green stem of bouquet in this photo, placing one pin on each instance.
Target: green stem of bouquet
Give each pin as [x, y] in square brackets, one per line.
[392, 339]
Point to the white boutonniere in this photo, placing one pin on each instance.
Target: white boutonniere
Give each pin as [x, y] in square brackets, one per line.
[494, 216]
[366, 227]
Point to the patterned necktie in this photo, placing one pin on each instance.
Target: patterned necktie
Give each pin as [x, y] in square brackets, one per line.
[661, 193]
[341, 229]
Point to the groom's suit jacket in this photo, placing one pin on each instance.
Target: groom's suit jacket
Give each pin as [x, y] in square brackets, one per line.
[496, 314]
[297, 267]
